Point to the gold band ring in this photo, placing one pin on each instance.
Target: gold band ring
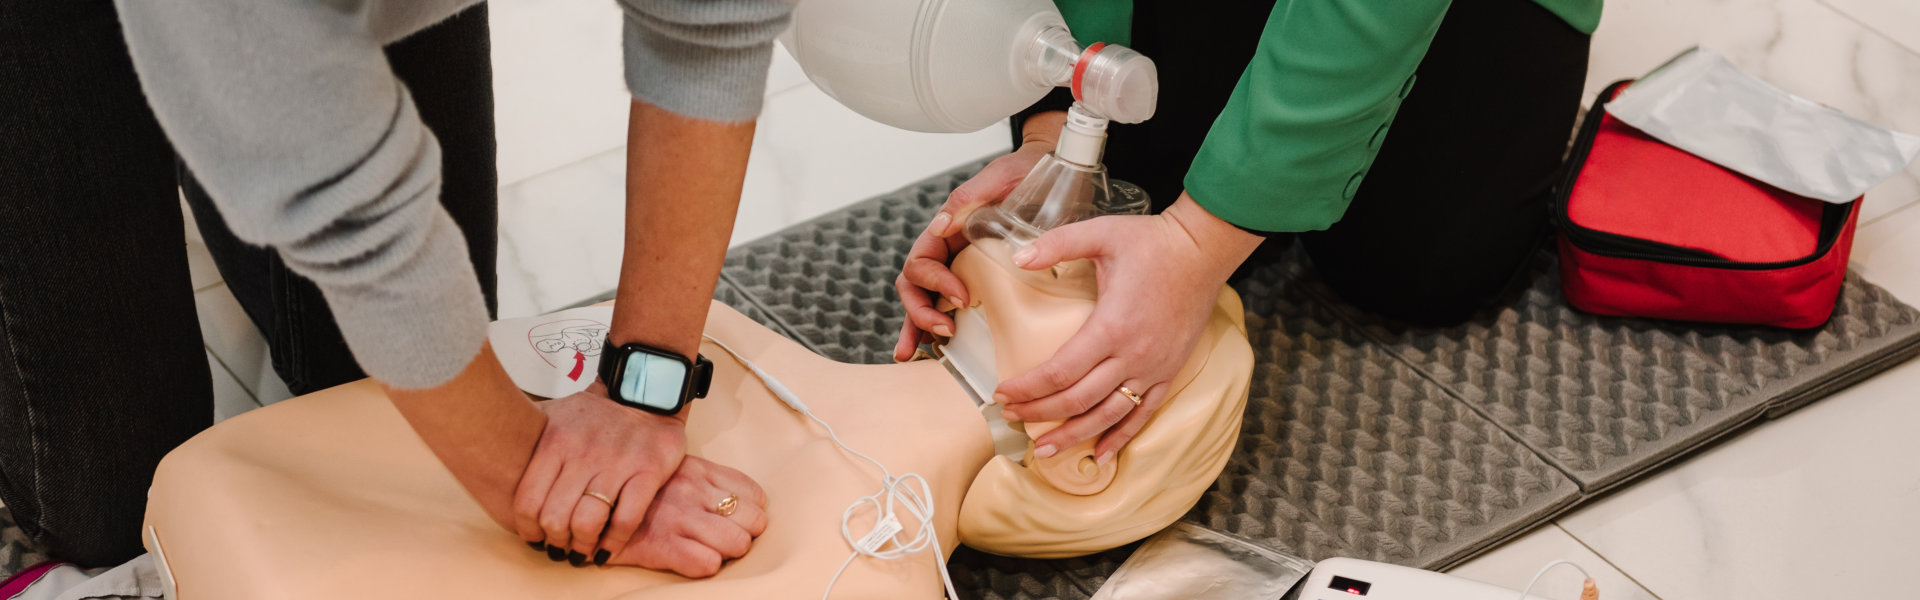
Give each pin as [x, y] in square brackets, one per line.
[601, 497]
[727, 505]
[1130, 394]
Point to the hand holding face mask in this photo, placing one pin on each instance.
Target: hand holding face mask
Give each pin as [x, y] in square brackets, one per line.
[1158, 277]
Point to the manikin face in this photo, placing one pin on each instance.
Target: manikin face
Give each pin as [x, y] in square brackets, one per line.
[1069, 505]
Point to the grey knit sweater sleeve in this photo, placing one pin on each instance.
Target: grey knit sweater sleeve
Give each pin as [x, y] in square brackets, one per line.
[289, 114]
[702, 58]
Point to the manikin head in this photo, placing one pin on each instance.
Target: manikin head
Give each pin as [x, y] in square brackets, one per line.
[1068, 505]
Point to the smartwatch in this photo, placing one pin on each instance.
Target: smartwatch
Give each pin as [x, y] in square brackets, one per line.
[651, 379]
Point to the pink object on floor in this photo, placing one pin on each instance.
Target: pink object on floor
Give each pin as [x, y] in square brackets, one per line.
[20, 581]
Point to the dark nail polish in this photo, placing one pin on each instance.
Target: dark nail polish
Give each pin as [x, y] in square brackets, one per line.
[540, 546]
[600, 558]
[556, 553]
[576, 559]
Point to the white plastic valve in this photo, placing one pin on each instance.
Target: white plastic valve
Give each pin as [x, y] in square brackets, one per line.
[1084, 137]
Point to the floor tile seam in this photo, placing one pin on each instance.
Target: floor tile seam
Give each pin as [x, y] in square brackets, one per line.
[1608, 561]
[1539, 453]
[1519, 527]
[229, 370]
[1884, 216]
[1856, 371]
[1867, 26]
[780, 323]
[589, 157]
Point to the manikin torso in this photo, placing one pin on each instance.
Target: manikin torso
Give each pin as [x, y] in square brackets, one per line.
[331, 495]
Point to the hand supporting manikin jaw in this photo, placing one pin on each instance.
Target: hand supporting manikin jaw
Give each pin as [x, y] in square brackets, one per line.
[332, 495]
[1069, 504]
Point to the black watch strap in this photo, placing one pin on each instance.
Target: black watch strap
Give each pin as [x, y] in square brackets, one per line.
[609, 355]
[701, 377]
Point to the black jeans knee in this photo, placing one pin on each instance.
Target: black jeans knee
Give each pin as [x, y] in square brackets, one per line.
[1456, 203]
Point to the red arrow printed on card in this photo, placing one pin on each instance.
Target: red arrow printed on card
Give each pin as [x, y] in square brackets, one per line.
[579, 365]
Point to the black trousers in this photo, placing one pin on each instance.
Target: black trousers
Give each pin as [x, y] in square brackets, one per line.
[1456, 202]
[101, 366]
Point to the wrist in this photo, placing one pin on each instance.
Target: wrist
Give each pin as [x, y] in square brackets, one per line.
[598, 390]
[1221, 245]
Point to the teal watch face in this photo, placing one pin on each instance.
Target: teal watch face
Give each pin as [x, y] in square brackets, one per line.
[654, 381]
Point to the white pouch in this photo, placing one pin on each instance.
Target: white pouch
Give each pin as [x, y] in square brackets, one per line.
[1187, 561]
[1700, 103]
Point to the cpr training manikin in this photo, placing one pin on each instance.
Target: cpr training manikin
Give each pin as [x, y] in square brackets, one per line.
[332, 495]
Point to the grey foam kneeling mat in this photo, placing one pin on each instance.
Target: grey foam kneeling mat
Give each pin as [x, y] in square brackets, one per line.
[1365, 438]
[1606, 399]
[1347, 451]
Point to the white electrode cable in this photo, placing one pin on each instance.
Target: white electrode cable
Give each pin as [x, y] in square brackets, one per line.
[1549, 567]
[894, 494]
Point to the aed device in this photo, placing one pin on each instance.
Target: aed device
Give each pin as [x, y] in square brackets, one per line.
[1355, 579]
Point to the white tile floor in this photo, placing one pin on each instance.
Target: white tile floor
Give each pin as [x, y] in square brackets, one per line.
[1818, 504]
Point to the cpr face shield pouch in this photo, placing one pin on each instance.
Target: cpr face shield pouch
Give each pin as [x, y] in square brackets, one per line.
[1650, 230]
[1189, 561]
[1699, 102]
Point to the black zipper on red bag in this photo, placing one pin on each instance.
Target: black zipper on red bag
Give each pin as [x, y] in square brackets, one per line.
[1832, 218]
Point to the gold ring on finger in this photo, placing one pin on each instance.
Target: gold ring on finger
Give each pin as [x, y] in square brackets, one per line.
[727, 505]
[1130, 394]
[601, 497]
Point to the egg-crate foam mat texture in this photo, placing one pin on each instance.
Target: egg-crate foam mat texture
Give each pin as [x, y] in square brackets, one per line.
[1363, 437]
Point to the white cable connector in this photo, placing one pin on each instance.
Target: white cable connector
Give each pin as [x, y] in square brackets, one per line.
[894, 494]
[1549, 566]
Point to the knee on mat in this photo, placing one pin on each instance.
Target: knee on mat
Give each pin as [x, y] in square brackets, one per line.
[1424, 310]
[1427, 297]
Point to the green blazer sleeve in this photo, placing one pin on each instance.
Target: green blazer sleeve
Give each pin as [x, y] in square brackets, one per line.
[1308, 115]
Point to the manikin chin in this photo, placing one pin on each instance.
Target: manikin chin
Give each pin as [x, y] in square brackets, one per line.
[331, 495]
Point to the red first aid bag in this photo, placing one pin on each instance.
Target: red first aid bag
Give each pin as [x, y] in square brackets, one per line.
[1648, 230]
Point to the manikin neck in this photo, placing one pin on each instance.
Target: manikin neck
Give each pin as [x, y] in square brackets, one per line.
[969, 357]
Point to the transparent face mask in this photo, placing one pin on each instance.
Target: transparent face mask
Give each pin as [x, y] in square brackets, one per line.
[1057, 192]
